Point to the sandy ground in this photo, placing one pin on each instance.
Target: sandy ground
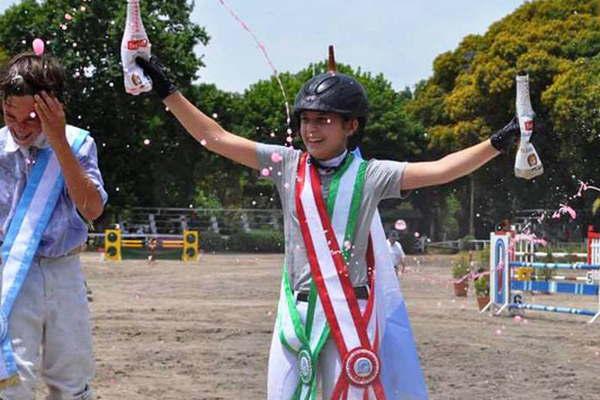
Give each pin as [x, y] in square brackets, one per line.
[202, 331]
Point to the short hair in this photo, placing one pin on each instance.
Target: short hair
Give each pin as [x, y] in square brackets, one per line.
[29, 74]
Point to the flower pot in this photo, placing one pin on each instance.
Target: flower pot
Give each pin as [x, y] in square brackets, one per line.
[460, 288]
[482, 301]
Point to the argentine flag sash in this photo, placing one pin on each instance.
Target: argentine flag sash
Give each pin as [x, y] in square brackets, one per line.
[35, 207]
[376, 347]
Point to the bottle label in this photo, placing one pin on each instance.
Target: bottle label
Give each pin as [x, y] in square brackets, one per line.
[136, 44]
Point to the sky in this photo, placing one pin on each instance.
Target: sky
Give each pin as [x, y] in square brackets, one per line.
[398, 38]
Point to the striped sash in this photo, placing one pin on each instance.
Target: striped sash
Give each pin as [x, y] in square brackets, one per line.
[22, 239]
[376, 347]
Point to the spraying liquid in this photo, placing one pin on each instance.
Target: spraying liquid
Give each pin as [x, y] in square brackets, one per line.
[135, 43]
[527, 162]
[263, 49]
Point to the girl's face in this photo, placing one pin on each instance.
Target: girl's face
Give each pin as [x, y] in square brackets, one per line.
[21, 120]
[325, 134]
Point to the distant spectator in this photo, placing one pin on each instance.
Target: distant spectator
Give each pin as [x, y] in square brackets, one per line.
[152, 246]
[396, 251]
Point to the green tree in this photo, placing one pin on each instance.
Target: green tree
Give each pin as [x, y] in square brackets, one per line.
[390, 133]
[472, 92]
[3, 57]
[144, 155]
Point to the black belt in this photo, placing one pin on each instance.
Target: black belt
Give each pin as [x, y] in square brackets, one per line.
[361, 293]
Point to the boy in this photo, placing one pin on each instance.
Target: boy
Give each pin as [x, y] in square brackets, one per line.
[397, 252]
[49, 186]
[341, 318]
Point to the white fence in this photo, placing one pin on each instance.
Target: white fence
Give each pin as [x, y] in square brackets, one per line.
[147, 220]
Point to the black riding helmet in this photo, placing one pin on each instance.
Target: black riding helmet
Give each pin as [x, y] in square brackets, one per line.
[337, 93]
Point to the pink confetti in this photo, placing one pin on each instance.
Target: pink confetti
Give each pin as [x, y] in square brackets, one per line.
[203, 142]
[265, 172]
[564, 209]
[583, 186]
[38, 46]
[400, 225]
[276, 157]
[265, 54]
[531, 237]
[68, 17]
[500, 266]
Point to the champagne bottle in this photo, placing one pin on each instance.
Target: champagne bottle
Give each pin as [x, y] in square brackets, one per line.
[135, 43]
[528, 164]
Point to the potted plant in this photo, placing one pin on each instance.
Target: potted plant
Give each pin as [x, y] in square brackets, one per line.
[546, 274]
[460, 271]
[482, 290]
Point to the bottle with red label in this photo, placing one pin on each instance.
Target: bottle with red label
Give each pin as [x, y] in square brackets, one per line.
[135, 43]
[528, 164]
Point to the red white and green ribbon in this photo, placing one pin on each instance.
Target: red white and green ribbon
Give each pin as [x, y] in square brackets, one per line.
[355, 333]
[304, 340]
[388, 333]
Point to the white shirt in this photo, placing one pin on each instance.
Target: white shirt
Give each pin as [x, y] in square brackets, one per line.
[41, 142]
[396, 251]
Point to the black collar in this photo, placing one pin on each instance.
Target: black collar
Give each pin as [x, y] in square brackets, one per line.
[325, 169]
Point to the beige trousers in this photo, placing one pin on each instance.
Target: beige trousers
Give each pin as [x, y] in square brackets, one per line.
[50, 331]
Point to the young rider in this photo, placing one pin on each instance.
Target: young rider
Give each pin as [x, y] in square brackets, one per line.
[341, 318]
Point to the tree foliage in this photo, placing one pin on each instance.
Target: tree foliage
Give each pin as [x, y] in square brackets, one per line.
[390, 133]
[86, 37]
[472, 93]
[148, 159]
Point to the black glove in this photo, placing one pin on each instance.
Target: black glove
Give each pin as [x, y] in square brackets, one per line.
[503, 138]
[161, 83]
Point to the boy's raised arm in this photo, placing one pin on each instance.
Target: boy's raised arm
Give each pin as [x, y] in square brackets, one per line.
[449, 168]
[460, 163]
[203, 128]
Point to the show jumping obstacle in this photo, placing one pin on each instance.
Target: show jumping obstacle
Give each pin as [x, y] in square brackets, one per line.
[508, 274]
[118, 246]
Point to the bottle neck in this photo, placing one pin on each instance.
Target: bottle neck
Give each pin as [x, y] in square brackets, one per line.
[134, 19]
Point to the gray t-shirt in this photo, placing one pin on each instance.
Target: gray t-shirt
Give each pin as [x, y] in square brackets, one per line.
[382, 181]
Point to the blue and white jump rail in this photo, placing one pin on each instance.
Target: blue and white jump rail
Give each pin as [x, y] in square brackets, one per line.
[503, 251]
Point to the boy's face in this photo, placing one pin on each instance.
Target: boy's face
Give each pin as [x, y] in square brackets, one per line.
[21, 119]
[325, 134]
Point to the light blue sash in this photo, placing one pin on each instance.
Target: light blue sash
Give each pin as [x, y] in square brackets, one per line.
[401, 372]
[22, 240]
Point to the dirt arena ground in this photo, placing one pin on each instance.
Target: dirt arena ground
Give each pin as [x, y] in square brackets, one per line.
[202, 331]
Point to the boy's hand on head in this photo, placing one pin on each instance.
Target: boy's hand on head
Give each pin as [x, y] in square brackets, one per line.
[51, 113]
[161, 83]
